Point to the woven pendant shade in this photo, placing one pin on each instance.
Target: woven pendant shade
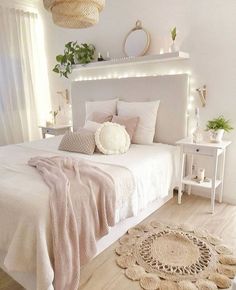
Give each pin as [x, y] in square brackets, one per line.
[75, 13]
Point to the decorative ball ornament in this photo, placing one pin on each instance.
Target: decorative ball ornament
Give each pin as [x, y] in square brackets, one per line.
[75, 13]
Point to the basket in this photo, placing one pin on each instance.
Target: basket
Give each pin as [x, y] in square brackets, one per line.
[75, 13]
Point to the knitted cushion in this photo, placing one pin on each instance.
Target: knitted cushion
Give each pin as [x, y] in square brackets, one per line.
[82, 141]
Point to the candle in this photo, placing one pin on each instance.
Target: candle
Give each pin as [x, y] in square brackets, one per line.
[200, 174]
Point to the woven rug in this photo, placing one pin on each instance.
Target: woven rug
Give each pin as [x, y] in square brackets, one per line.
[169, 257]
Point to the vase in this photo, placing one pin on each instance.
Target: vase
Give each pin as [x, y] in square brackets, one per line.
[173, 47]
[216, 135]
[197, 135]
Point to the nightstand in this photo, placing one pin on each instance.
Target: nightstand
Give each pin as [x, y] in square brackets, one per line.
[213, 150]
[55, 130]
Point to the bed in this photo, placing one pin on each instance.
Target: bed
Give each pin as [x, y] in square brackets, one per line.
[144, 177]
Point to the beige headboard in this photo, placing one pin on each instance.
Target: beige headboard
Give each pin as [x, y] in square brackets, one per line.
[172, 91]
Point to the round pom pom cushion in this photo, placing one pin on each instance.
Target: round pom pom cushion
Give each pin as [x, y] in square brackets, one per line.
[112, 138]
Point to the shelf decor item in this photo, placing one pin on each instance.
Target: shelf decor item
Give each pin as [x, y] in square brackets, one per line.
[197, 134]
[75, 13]
[217, 127]
[137, 41]
[74, 53]
[173, 37]
[200, 174]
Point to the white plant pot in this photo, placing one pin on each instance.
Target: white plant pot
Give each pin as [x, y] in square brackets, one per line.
[173, 47]
[216, 136]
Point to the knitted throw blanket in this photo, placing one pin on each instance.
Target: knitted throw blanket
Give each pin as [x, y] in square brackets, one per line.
[82, 206]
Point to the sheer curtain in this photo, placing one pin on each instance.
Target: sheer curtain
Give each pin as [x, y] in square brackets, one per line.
[23, 85]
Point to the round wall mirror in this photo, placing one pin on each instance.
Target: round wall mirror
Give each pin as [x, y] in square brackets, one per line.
[137, 41]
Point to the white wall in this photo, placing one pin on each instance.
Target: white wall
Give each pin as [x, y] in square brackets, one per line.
[206, 31]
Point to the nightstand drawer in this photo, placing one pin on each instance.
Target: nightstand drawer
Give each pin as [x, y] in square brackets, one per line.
[199, 150]
[49, 131]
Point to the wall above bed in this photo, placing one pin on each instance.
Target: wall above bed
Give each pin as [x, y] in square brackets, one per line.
[208, 37]
[172, 91]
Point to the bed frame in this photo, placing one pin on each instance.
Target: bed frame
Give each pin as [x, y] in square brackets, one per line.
[172, 91]
[171, 124]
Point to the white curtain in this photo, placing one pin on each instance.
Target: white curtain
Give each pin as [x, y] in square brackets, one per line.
[22, 76]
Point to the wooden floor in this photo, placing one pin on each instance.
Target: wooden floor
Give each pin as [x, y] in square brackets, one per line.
[103, 274]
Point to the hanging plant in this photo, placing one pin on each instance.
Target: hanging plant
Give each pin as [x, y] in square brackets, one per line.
[74, 53]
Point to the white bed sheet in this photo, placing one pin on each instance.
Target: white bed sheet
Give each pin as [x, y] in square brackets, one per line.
[154, 168]
[23, 195]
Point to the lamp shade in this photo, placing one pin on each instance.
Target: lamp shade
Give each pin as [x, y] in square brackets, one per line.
[75, 13]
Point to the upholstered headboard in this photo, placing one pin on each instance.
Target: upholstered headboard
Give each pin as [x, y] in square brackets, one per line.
[172, 91]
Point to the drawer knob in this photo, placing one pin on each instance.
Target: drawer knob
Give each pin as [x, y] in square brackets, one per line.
[197, 150]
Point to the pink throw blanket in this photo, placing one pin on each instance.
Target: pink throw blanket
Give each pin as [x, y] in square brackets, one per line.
[82, 206]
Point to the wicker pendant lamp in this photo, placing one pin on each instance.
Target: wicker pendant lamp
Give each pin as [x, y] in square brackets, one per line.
[75, 13]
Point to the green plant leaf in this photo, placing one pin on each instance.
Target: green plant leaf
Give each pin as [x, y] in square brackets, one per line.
[59, 58]
[219, 123]
[73, 54]
[174, 33]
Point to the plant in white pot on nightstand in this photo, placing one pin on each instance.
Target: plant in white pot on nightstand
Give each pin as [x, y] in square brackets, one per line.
[217, 127]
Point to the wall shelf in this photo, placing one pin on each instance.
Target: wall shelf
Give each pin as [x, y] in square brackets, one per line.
[165, 57]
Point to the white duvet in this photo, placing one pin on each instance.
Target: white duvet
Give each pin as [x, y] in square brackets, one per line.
[142, 175]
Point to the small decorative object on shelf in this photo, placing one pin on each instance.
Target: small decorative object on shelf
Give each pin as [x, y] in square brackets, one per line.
[137, 41]
[197, 134]
[187, 178]
[217, 127]
[200, 174]
[173, 37]
[100, 58]
[74, 53]
[108, 56]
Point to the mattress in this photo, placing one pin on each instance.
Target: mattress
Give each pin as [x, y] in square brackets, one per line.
[24, 196]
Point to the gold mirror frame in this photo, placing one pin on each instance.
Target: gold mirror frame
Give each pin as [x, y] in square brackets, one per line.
[138, 26]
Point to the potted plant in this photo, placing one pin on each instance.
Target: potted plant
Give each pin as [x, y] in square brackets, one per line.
[173, 37]
[74, 53]
[217, 127]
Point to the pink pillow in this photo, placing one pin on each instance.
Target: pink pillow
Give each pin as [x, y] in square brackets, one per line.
[129, 123]
[100, 117]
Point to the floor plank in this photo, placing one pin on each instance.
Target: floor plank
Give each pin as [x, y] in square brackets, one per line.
[103, 274]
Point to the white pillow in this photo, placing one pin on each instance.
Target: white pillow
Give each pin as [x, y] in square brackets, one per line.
[147, 113]
[91, 126]
[112, 138]
[108, 107]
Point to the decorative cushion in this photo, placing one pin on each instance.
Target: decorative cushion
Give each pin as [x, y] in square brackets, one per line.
[129, 123]
[147, 112]
[92, 126]
[108, 107]
[112, 138]
[82, 141]
[101, 117]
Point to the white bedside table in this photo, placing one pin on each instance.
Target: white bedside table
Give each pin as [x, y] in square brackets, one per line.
[55, 130]
[213, 150]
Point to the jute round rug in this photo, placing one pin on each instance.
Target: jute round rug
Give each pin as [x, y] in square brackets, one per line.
[169, 257]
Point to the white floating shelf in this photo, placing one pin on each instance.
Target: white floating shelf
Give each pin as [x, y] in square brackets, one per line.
[189, 181]
[171, 56]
